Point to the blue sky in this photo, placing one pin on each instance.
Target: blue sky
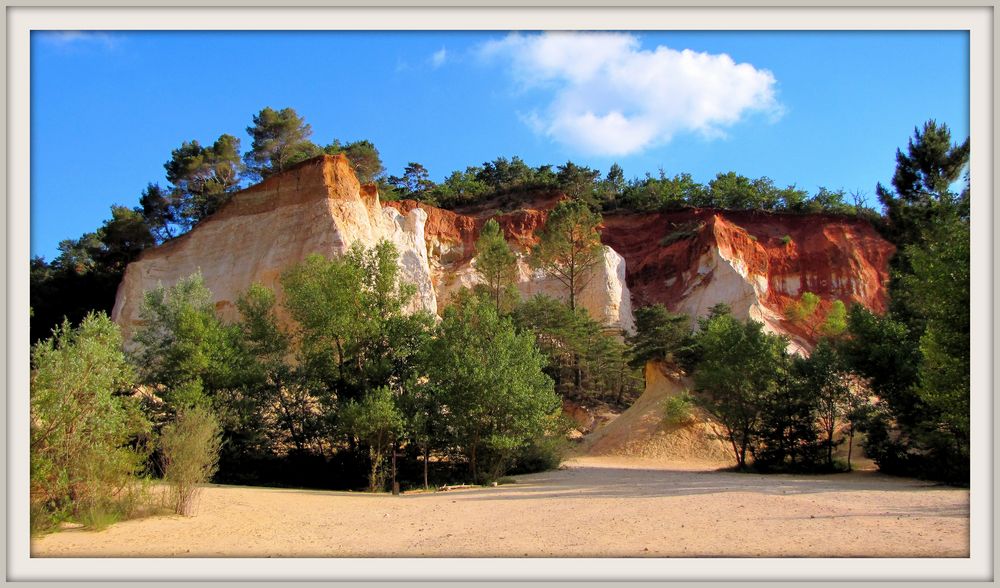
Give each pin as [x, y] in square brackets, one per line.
[806, 108]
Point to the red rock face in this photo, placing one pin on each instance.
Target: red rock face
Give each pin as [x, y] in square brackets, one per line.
[453, 228]
[785, 255]
[834, 257]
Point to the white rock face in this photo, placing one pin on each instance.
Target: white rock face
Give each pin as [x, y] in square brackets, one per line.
[605, 297]
[722, 277]
[317, 207]
[407, 234]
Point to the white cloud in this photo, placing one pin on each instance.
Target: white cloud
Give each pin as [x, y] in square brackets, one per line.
[610, 97]
[439, 57]
[78, 38]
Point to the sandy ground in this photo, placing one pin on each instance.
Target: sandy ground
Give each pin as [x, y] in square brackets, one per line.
[593, 507]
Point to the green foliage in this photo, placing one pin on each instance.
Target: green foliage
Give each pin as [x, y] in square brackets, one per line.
[415, 182]
[182, 345]
[496, 264]
[459, 188]
[586, 362]
[682, 231]
[786, 240]
[802, 309]
[490, 379]
[351, 335]
[835, 323]
[922, 182]
[160, 210]
[578, 182]
[85, 276]
[939, 288]
[825, 377]
[202, 179]
[280, 140]
[189, 449]
[740, 371]
[922, 425]
[364, 158]
[659, 335]
[87, 436]
[679, 409]
[569, 246]
[376, 422]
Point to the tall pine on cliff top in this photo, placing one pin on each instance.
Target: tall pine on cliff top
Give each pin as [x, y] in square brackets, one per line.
[280, 140]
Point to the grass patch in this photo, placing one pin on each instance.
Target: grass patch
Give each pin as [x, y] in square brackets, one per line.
[682, 231]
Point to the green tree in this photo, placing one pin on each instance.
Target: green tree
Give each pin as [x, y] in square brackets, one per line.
[258, 401]
[86, 432]
[835, 323]
[182, 345]
[578, 182]
[803, 311]
[495, 263]
[922, 182]
[826, 378]
[491, 382]
[939, 288]
[203, 179]
[612, 187]
[569, 246]
[122, 239]
[659, 334]
[280, 140]
[364, 158]
[160, 210]
[460, 188]
[376, 422]
[740, 369]
[414, 182]
[586, 362]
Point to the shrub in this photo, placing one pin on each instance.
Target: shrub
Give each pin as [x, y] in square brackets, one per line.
[787, 239]
[86, 435]
[682, 231]
[190, 447]
[678, 409]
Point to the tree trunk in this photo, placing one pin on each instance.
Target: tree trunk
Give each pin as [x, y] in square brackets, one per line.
[426, 456]
[850, 448]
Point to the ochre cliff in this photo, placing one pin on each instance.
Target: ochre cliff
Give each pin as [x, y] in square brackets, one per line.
[688, 260]
[756, 262]
[314, 207]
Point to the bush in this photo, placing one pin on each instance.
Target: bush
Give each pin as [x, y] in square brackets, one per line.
[190, 447]
[87, 449]
[682, 231]
[786, 240]
[678, 409]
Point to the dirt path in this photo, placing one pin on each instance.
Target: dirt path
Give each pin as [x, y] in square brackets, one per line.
[594, 507]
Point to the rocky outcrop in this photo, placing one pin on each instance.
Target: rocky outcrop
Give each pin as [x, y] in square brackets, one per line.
[758, 263]
[451, 240]
[318, 206]
[689, 260]
[315, 207]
